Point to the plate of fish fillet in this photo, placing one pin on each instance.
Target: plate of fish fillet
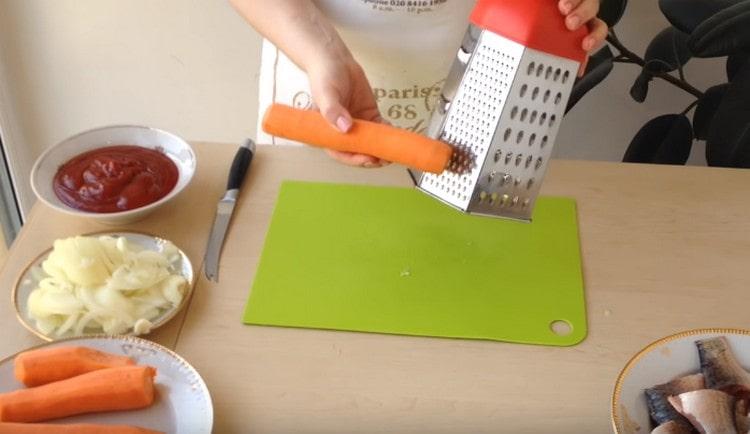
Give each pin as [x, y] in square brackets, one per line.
[697, 381]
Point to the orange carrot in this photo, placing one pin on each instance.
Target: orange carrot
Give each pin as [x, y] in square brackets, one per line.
[77, 428]
[379, 140]
[37, 367]
[124, 388]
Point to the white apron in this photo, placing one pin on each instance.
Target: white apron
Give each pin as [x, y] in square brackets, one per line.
[405, 47]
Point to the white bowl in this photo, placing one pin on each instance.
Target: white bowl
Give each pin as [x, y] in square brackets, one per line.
[660, 362]
[46, 166]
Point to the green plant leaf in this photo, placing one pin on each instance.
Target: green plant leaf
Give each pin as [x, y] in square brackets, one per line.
[741, 154]
[735, 62]
[686, 15]
[666, 139]
[639, 91]
[724, 33]
[611, 11]
[706, 109]
[668, 51]
[599, 66]
[727, 144]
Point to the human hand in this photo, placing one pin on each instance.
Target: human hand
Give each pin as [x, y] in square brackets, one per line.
[583, 12]
[341, 92]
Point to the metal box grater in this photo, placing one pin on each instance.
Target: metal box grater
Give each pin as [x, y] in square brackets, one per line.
[501, 107]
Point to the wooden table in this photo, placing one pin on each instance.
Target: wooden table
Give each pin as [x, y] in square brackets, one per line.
[664, 249]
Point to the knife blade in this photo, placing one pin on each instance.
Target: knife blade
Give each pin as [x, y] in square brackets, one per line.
[225, 208]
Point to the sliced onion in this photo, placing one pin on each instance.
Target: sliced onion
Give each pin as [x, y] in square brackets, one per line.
[105, 283]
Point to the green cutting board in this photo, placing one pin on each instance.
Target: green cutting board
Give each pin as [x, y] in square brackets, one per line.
[393, 260]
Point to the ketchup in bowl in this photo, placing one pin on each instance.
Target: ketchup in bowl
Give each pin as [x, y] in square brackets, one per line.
[115, 178]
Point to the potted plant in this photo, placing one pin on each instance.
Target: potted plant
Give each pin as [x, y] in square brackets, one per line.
[720, 115]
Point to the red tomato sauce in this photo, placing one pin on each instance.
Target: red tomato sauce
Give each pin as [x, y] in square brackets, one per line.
[115, 178]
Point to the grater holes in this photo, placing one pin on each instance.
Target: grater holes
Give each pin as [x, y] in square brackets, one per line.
[507, 134]
[539, 162]
[558, 72]
[530, 70]
[508, 157]
[542, 119]
[558, 98]
[524, 113]
[534, 114]
[548, 74]
[532, 140]
[526, 203]
[529, 159]
[524, 89]
[529, 184]
[481, 102]
[505, 180]
[517, 182]
[545, 139]
[547, 94]
[519, 159]
[565, 77]
[535, 93]
[552, 121]
[515, 200]
[504, 199]
[540, 70]
[519, 137]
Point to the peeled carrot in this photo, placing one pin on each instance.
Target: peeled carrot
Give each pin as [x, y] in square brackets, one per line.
[37, 367]
[379, 140]
[124, 388]
[77, 428]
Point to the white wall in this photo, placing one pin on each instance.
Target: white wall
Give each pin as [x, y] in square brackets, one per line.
[190, 66]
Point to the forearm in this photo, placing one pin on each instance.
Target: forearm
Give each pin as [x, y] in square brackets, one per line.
[297, 27]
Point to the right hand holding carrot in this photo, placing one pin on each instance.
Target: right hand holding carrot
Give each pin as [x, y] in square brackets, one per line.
[341, 92]
[365, 137]
[339, 87]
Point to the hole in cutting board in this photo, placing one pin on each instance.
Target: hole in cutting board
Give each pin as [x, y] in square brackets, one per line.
[561, 327]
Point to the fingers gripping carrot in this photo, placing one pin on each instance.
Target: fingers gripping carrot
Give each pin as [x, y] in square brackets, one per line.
[370, 138]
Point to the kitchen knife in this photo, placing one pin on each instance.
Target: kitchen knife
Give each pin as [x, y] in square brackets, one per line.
[224, 210]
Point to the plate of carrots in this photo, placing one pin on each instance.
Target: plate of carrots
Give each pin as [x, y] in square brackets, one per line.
[102, 384]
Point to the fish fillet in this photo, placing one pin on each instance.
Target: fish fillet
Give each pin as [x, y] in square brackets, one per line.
[710, 411]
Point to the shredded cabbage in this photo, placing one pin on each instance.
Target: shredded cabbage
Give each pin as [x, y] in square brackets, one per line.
[94, 284]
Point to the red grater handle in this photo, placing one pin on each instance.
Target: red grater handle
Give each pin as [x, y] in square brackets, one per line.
[536, 24]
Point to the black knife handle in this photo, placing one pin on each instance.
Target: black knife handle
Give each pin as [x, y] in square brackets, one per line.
[241, 162]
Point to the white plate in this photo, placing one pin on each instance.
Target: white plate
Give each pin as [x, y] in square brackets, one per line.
[30, 277]
[660, 362]
[182, 405]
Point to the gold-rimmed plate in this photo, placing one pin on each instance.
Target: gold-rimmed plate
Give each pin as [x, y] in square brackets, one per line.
[660, 362]
[32, 274]
[182, 405]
